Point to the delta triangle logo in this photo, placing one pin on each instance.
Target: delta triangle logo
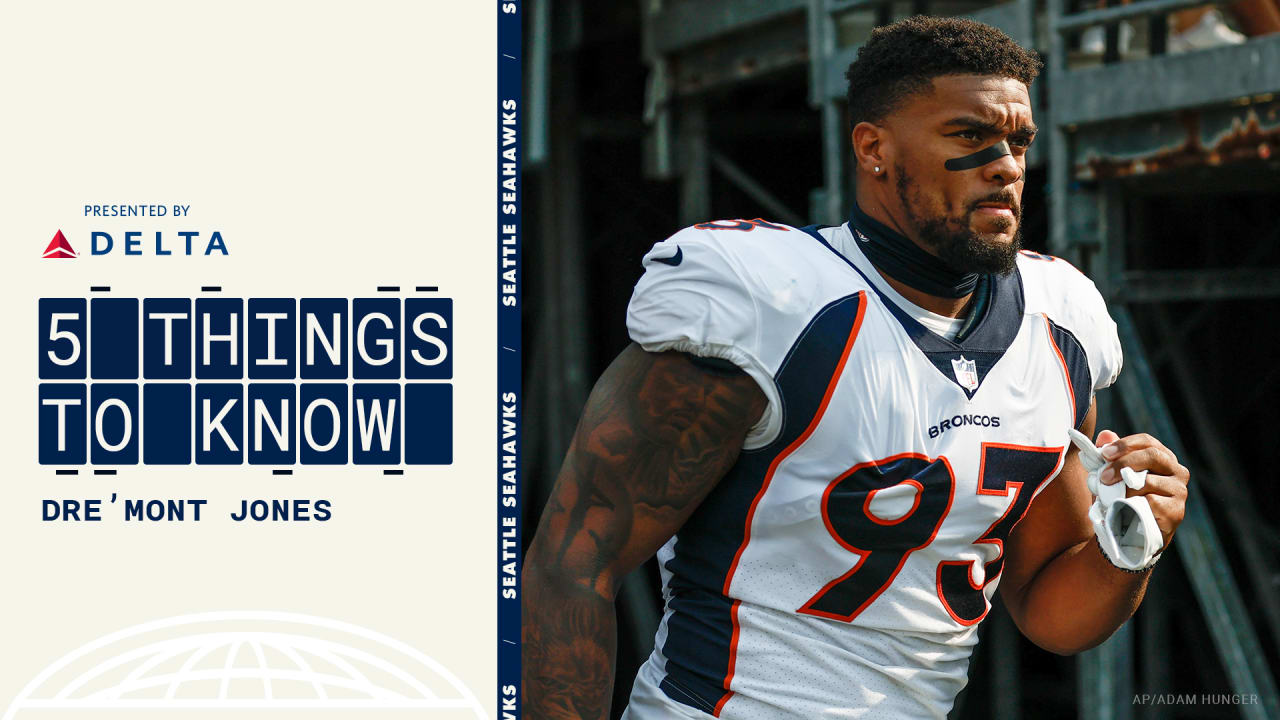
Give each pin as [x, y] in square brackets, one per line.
[59, 247]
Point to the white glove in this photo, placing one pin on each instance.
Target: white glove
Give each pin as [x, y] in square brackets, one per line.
[1126, 528]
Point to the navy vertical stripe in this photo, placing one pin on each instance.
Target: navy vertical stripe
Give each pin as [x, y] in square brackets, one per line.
[700, 629]
[1077, 365]
[510, 400]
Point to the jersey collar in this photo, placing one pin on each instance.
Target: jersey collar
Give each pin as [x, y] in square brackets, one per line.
[984, 345]
[900, 258]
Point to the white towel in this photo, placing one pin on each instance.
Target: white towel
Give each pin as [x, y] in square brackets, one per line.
[1126, 527]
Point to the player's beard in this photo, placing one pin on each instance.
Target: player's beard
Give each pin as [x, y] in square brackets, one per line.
[952, 240]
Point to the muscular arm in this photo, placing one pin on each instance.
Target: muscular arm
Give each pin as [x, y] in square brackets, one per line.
[1059, 588]
[656, 435]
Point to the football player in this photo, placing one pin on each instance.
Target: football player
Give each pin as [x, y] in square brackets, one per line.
[840, 441]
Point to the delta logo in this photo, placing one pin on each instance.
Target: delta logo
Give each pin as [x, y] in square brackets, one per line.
[101, 243]
[59, 247]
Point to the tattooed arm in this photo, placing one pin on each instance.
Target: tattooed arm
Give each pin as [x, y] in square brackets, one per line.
[658, 432]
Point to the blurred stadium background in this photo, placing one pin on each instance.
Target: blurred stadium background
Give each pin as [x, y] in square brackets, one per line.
[1157, 172]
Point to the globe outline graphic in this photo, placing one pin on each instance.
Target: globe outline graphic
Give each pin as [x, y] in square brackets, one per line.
[306, 641]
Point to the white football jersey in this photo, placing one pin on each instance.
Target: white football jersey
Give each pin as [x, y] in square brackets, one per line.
[841, 567]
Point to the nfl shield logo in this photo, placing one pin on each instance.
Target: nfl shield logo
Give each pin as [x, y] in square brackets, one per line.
[966, 373]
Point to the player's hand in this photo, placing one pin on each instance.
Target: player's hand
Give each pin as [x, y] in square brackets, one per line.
[1167, 479]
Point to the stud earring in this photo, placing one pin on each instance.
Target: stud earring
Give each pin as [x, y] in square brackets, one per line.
[877, 170]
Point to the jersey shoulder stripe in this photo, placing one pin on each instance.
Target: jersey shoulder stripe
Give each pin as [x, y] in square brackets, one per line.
[1075, 368]
[1071, 302]
[703, 628]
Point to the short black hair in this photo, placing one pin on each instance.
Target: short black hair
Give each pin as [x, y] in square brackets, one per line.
[903, 58]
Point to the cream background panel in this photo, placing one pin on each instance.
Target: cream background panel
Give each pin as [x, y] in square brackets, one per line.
[337, 147]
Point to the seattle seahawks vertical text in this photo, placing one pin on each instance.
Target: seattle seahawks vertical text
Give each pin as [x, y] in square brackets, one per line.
[509, 350]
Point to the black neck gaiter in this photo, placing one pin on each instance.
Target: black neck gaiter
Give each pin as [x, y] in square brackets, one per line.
[906, 262]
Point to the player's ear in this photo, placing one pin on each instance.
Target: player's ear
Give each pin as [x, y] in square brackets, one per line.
[871, 148]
